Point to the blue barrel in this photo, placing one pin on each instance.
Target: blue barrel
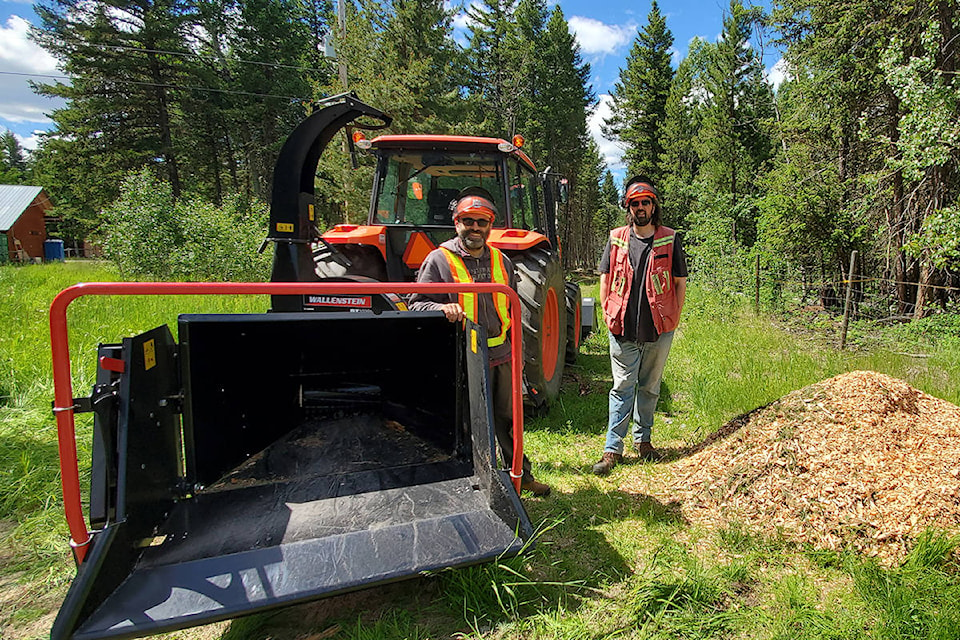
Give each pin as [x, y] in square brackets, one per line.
[53, 250]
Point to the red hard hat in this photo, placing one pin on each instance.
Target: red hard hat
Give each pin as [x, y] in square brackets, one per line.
[638, 190]
[477, 205]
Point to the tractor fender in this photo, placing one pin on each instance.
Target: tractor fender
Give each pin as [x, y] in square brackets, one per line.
[516, 239]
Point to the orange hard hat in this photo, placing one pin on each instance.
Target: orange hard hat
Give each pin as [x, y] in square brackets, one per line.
[638, 190]
[477, 205]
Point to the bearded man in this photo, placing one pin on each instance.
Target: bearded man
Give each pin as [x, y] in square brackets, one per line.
[468, 258]
[643, 284]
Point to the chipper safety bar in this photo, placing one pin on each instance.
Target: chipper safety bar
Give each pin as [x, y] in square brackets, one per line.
[269, 459]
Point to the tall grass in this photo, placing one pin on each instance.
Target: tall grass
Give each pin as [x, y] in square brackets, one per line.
[30, 495]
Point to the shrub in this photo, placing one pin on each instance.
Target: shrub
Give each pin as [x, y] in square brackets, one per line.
[151, 235]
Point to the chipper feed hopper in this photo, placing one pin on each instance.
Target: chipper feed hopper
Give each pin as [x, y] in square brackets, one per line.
[261, 460]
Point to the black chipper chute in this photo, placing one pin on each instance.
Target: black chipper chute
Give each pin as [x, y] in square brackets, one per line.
[292, 213]
[271, 459]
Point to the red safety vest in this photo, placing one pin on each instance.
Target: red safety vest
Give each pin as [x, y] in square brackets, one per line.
[661, 292]
[498, 274]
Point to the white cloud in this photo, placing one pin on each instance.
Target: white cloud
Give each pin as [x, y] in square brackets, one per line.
[31, 143]
[779, 72]
[610, 151]
[599, 38]
[462, 23]
[20, 55]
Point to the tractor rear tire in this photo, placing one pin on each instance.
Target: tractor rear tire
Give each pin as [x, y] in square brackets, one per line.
[364, 261]
[543, 310]
[573, 321]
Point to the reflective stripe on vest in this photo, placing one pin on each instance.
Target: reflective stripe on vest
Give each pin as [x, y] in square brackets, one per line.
[498, 274]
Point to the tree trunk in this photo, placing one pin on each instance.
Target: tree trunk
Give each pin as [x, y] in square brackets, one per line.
[924, 291]
[163, 122]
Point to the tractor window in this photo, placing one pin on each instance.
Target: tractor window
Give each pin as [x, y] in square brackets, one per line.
[419, 186]
[523, 200]
[536, 220]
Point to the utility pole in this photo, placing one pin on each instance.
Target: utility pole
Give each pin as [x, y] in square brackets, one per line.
[341, 38]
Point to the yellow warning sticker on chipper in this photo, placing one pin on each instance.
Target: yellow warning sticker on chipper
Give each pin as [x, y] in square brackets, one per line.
[149, 355]
[473, 340]
[309, 212]
[285, 227]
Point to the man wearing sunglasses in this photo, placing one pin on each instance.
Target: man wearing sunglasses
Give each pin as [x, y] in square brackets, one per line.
[468, 258]
[643, 282]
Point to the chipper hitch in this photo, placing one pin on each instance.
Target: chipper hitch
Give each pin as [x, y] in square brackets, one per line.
[264, 460]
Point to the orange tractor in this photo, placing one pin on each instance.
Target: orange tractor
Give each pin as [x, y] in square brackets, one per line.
[416, 181]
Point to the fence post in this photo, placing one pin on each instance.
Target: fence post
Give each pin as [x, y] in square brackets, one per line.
[756, 294]
[846, 304]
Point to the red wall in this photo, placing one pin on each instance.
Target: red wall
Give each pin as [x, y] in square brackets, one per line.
[30, 230]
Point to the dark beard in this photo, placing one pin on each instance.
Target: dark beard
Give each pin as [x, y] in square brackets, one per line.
[642, 221]
[472, 242]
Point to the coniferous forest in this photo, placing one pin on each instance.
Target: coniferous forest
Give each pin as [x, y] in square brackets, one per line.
[773, 187]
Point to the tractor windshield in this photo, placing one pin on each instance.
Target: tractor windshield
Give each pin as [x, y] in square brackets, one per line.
[417, 187]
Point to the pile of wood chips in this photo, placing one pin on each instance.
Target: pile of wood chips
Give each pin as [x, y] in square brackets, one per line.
[861, 460]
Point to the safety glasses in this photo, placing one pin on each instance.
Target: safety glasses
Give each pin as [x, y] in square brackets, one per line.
[483, 223]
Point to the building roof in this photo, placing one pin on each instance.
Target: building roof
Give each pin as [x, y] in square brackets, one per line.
[14, 200]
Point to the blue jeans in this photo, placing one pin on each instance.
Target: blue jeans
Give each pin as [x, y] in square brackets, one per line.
[637, 370]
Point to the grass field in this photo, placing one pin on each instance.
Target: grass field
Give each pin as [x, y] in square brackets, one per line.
[607, 564]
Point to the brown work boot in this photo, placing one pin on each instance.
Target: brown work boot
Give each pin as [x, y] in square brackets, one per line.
[645, 451]
[534, 487]
[607, 463]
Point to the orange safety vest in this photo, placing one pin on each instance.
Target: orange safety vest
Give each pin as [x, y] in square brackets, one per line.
[498, 274]
[661, 292]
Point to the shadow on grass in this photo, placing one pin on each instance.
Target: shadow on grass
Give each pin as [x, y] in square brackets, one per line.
[572, 558]
[668, 454]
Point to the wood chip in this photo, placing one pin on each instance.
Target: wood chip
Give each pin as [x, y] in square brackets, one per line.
[862, 460]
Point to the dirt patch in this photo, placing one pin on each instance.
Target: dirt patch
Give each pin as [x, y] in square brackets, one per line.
[861, 460]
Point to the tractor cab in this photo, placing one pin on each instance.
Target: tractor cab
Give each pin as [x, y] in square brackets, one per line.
[416, 184]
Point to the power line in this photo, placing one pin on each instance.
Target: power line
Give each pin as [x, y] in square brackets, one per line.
[167, 86]
[275, 65]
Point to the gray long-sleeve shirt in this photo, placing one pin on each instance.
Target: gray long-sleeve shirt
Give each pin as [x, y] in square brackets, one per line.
[435, 268]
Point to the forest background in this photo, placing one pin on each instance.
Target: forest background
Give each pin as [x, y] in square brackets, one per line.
[773, 188]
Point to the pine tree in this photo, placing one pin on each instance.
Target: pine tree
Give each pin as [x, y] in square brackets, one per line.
[525, 41]
[493, 79]
[680, 161]
[13, 161]
[639, 98]
[125, 61]
[858, 115]
[734, 136]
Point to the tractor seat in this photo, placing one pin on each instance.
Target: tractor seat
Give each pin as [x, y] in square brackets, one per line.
[438, 200]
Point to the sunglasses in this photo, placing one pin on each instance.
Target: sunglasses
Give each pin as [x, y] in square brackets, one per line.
[646, 202]
[483, 223]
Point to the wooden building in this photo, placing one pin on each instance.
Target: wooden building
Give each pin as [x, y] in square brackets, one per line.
[22, 228]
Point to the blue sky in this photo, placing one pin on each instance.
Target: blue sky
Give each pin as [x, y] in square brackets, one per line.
[604, 29]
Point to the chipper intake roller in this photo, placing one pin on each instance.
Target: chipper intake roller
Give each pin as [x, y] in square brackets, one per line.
[270, 459]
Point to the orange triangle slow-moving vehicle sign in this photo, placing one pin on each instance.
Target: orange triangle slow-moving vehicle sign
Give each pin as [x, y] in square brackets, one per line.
[417, 249]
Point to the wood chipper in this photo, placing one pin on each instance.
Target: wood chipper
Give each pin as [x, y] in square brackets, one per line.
[262, 460]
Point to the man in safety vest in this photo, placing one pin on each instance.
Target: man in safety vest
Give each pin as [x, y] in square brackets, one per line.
[643, 282]
[468, 258]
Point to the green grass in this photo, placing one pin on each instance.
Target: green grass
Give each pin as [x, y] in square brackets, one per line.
[30, 498]
[607, 564]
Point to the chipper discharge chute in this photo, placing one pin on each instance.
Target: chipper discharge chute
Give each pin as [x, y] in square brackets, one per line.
[269, 459]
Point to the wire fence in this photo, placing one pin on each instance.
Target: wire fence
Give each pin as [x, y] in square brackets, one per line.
[854, 296]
